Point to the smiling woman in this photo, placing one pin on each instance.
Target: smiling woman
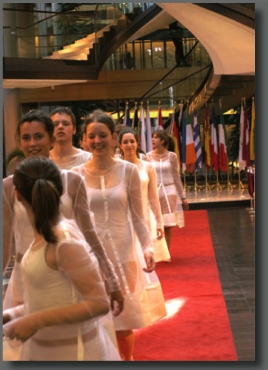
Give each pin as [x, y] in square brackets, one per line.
[35, 131]
[114, 191]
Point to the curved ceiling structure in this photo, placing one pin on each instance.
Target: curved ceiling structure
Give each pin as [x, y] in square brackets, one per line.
[230, 44]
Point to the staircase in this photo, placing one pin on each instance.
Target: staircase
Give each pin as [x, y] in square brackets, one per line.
[89, 47]
[97, 47]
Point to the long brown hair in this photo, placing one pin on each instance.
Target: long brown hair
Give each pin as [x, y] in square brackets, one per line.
[39, 182]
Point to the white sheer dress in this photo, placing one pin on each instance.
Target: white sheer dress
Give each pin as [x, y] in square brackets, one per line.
[151, 208]
[47, 288]
[116, 201]
[170, 188]
[74, 205]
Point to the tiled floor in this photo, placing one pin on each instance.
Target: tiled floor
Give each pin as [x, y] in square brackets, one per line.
[232, 227]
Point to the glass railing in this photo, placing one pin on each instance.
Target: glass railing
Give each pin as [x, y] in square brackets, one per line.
[174, 79]
[57, 30]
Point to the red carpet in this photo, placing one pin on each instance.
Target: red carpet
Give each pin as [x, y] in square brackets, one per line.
[197, 327]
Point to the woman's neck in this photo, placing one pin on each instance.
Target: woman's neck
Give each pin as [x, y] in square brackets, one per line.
[160, 151]
[101, 164]
[132, 158]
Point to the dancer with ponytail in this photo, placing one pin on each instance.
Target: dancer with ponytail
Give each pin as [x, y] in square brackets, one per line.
[64, 294]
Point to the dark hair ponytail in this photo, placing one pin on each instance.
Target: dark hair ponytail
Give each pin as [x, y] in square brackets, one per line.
[39, 182]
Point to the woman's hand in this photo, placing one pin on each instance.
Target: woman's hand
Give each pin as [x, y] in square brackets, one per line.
[21, 329]
[160, 233]
[117, 302]
[6, 318]
[150, 262]
[185, 204]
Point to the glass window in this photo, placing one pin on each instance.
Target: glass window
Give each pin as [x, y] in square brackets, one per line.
[158, 54]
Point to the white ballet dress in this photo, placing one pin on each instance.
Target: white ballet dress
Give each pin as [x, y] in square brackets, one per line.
[170, 188]
[46, 288]
[116, 201]
[74, 205]
[151, 208]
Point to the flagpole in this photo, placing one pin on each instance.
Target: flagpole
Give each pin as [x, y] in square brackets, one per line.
[229, 186]
[196, 186]
[185, 187]
[241, 185]
[218, 185]
[207, 186]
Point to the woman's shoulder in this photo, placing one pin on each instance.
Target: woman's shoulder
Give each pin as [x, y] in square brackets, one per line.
[172, 157]
[8, 181]
[83, 154]
[147, 165]
[72, 178]
[68, 231]
[8, 187]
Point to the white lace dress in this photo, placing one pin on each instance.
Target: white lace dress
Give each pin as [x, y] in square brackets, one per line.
[170, 188]
[46, 288]
[116, 201]
[151, 208]
[74, 205]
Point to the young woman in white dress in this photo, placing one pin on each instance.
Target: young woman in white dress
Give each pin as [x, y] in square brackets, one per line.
[64, 294]
[114, 189]
[170, 188]
[35, 134]
[129, 142]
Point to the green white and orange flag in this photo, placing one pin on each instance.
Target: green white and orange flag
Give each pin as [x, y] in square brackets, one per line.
[252, 133]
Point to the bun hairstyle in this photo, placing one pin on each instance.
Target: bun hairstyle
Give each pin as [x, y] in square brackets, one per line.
[39, 182]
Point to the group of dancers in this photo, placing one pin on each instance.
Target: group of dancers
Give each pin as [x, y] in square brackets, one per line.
[87, 228]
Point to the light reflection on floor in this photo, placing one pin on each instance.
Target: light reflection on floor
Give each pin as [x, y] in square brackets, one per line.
[173, 306]
[215, 195]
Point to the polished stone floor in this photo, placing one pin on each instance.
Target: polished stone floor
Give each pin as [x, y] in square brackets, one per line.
[233, 237]
[232, 224]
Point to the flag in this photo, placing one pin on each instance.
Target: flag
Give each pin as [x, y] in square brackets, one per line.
[197, 144]
[207, 141]
[189, 156]
[252, 133]
[223, 158]
[174, 133]
[142, 130]
[243, 155]
[245, 151]
[127, 121]
[183, 140]
[148, 130]
[135, 120]
[159, 118]
[214, 142]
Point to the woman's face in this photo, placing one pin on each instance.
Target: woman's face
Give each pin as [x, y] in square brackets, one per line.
[156, 142]
[34, 139]
[129, 144]
[99, 139]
